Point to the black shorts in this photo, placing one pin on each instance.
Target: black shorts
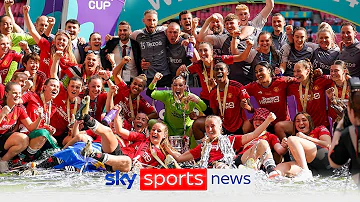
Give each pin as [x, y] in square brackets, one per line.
[320, 165]
[237, 160]
[60, 138]
[3, 139]
[116, 152]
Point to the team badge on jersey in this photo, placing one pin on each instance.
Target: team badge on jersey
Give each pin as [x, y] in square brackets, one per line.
[316, 87]
[276, 89]
[230, 95]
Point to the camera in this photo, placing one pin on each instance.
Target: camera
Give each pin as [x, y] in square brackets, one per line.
[354, 84]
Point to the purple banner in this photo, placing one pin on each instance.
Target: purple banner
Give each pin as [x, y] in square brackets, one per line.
[98, 16]
[52, 6]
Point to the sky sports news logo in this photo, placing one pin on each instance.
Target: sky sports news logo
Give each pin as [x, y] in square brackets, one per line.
[185, 179]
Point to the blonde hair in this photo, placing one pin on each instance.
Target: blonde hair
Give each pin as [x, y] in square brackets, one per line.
[325, 28]
[68, 49]
[306, 64]
[4, 36]
[142, 77]
[241, 7]
[150, 12]
[19, 74]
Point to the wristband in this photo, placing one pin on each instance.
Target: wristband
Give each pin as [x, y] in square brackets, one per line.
[152, 86]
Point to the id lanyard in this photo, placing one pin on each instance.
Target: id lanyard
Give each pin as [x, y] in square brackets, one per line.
[270, 58]
[222, 105]
[48, 111]
[132, 107]
[206, 76]
[69, 114]
[305, 99]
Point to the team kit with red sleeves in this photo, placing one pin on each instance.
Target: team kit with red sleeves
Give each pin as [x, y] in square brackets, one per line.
[159, 56]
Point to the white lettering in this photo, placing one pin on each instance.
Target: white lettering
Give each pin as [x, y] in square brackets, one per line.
[46, 61]
[146, 157]
[156, 3]
[175, 61]
[352, 3]
[99, 5]
[230, 105]
[316, 96]
[153, 44]
[148, 177]
[269, 100]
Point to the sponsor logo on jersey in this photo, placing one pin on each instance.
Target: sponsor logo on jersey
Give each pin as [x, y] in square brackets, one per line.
[269, 100]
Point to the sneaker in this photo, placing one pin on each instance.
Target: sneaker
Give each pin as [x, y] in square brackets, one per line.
[89, 121]
[17, 162]
[303, 175]
[4, 166]
[273, 174]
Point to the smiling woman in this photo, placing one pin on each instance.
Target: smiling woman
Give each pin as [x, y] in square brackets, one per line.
[294, 52]
[309, 149]
[179, 106]
[62, 44]
[6, 57]
[129, 96]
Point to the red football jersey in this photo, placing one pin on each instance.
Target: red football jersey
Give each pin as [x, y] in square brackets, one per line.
[6, 61]
[215, 152]
[234, 115]
[123, 98]
[316, 107]
[319, 131]
[142, 148]
[60, 118]
[9, 122]
[46, 58]
[273, 98]
[269, 137]
[34, 102]
[197, 67]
